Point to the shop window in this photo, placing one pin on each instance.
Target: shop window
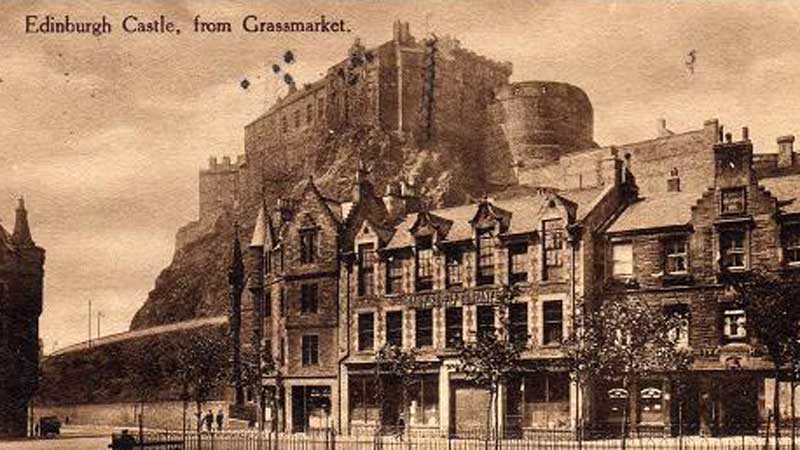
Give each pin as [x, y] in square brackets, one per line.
[518, 323]
[546, 400]
[310, 350]
[424, 401]
[424, 249]
[394, 328]
[732, 249]
[734, 325]
[394, 275]
[676, 256]
[454, 269]
[308, 246]
[552, 326]
[518, 263]
[553, 249]
[651, 403]
[622, 260]
[679, 334]
[308, 298]
[424, 328]
[366, 331]
[364, 406]
[733, 201]
[485, 320]
[485, 258]
[792, 245]
[366, 269]
[454, 331]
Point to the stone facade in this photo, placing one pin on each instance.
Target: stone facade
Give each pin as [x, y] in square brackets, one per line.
[21, 278]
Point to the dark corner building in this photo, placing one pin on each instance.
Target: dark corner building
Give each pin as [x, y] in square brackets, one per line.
[21, 275]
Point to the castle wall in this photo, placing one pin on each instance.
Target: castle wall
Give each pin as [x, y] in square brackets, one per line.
[219, 188]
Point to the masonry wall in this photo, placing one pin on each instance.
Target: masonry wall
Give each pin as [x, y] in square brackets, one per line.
[158, 415]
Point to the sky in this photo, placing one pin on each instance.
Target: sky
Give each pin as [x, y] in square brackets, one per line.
[104, 136]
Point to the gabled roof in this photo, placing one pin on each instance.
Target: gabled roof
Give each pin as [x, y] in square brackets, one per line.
[260, 229]
[656, 211]
[787, 190]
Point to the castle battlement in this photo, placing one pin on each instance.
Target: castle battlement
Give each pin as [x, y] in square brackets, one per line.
[226, 165]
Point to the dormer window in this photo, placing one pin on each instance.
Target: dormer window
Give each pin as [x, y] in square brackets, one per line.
[394, 275]
[733, 201]
[366, 269]
[553, 231]
[454, 265]
[517, 263]
[308, 246]
[424, 263]
[485, 257]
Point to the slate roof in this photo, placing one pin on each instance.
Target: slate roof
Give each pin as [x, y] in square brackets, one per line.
[786, 190]
[657, 211]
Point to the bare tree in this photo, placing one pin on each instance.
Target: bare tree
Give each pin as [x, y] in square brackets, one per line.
[623, 342]
[402, 366]
[769, 301]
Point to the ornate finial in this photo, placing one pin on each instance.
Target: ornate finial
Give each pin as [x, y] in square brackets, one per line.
[21, 202]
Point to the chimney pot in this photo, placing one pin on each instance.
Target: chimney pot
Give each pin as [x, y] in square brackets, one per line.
[786, 156]
[745, 134]
[728, 138]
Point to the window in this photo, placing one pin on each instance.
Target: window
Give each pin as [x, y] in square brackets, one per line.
[268, 349]
[622, 260]
[364, 405]
[268, 261]
[485, 258]
[553, 248]
[308, 299]
[552, 326]
[546, 398]
[423, 398]
[297, 118]
[394, 328]
[366, 331]
[310, 350]
[366, 269]
[650, 402]
[675, 250]
[485, 320]
[284, 124]
[309, 114]
[424, 328]
[734, 325]
[733, 201]
[792, 245]
[680, 334]
[282, 300]
[517, 263]
[394, 275]
[267, 307]
[518, 323]
[454, 273]
[308, 247]
[424, 264]
[454, 327]
[732, 249]
[320, 107]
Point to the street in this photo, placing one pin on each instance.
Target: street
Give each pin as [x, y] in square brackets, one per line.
[71, 438]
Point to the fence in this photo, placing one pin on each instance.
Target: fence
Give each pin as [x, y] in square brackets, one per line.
[253, 440]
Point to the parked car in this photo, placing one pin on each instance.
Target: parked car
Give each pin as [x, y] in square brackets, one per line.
[49, 426]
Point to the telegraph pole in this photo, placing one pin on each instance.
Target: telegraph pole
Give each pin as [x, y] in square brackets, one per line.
[90, 323]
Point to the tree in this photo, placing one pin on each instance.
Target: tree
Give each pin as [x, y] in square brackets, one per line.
[256, 363]
[623, 342]
[403, 366]
[769, 301]
[491, 359]
[202, 368]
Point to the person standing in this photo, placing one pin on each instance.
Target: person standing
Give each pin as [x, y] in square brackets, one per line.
[209, 419]
[220, 419]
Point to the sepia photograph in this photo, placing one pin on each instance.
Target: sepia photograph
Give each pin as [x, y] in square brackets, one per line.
[399, 225]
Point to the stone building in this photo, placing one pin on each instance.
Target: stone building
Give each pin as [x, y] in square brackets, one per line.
[669, 248]
[21, 276]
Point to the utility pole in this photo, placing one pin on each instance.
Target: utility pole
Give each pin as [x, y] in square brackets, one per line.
[90, 323]
[99, 315]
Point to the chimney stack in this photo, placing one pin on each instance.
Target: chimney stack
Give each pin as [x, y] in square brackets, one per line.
[662, 128]
[786, 156]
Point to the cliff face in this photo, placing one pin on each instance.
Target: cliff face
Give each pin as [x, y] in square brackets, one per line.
[194, 285]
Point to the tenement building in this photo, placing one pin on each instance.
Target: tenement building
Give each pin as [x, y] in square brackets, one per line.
[21, 275]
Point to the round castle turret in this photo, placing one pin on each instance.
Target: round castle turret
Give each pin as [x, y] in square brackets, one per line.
[544, 120]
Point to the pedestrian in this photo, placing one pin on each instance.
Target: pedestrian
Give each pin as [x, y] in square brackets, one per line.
[220, 419]
[209, 419]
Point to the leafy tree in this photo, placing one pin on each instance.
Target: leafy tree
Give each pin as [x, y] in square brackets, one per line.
[769, 301]
[491, 359]
[256, 363]
[624, 341]
[401, 365]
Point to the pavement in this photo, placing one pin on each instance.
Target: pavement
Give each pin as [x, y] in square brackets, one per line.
[71, 438]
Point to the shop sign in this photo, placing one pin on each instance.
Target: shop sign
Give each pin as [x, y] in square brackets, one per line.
[447, 298]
